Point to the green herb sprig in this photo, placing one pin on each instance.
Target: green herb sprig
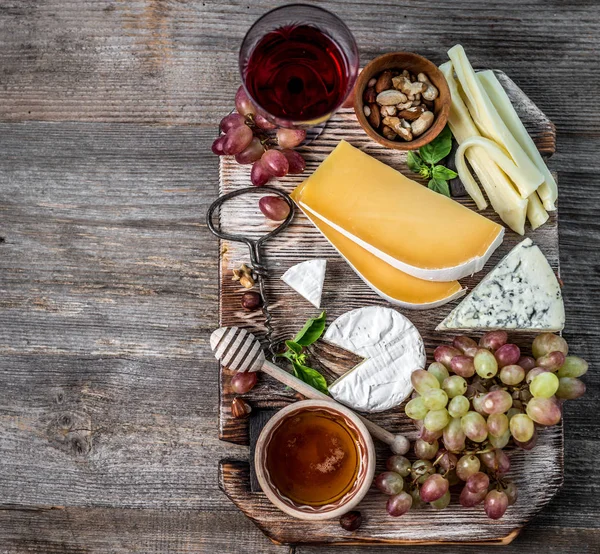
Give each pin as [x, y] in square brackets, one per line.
[310, 333]
[424, 162]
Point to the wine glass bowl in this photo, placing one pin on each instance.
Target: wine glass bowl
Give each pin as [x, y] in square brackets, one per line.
[298, 65]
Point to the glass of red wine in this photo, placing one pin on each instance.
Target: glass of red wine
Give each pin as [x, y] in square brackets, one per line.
[298, 65]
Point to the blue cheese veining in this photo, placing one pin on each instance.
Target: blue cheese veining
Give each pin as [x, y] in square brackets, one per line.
[521, 292]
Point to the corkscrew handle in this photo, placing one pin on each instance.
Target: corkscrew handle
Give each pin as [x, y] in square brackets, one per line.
[254, 246]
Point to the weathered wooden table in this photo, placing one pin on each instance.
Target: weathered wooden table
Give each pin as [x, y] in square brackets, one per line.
[108, 275]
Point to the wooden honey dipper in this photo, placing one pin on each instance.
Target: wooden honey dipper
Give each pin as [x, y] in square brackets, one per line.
[240, 350]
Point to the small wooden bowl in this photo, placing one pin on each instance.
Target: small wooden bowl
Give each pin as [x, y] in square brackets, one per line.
[415, 64]
[366, 468]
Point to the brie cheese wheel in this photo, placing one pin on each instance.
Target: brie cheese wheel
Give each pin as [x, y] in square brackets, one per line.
[521, 292]
[392, 348]
[307, 279]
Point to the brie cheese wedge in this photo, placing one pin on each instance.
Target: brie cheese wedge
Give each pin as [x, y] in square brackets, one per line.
[307, 280]
[521, 292]
[392, 348]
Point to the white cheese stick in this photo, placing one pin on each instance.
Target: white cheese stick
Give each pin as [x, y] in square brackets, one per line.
[536, 214]
[548, 190]
[505, 200]
[490, 123]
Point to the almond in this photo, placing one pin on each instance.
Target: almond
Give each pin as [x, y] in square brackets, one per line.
[369, 95]
[374, 117]
[384, 82]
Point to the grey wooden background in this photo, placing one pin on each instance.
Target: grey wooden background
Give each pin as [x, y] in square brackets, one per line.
[108, 276]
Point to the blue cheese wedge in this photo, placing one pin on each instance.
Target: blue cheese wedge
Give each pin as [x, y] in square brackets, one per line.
[392, 348]
[521, 292]
[307, 280]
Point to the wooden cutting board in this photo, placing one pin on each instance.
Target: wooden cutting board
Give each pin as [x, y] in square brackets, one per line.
[538, 473]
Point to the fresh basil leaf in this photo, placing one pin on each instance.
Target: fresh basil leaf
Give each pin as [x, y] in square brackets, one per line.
[438, 148]
[288, 354]
[425, 172]
[311, 377]
[311, 331]
[443, 173]
[295, 347]
[414, 161]
[439, 185]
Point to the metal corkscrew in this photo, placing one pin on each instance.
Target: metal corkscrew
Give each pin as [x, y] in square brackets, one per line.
[259, 269]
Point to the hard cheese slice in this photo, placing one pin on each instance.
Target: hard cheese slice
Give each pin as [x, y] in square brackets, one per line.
[521, 292]
[414, 229]
[307, 280]
[392, 348]
[388, 282]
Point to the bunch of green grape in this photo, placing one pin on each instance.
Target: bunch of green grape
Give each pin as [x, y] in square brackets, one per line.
[471, 403]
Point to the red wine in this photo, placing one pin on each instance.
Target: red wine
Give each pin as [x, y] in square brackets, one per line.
[297, 73]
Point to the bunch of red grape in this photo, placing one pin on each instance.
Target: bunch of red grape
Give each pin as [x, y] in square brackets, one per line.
[252, 139]
[471, 403]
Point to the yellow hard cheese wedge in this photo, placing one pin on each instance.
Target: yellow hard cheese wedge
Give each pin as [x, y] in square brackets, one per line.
[390, 283]
[408, 226]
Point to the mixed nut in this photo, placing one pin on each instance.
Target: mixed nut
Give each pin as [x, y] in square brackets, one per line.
[399, 104]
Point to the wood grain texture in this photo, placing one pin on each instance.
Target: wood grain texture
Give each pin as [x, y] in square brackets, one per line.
[88, 254]
[537, 481]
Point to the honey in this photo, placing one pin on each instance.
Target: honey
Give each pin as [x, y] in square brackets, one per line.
[313, 457]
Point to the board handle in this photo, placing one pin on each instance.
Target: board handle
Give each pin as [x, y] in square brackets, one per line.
[306, 390]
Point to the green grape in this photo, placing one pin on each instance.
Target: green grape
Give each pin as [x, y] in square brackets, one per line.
[548, 342]
[570, 388]
[497, 424]
[545, 411]
[454, 386]
[544, 385]
[477, 402]
[497, 402]
[389, 482]
[422, 381]
[510, 489]
[398, 464]
[436, 420]
[441, 502]
[454, 437]
[474, 426]
[467, 465]
[416, 499]
[426, 450]
[522, 427]
[435, 399]
[422, 469]
[416, 409]
[573, 367]
[513, 412]
[501, 441]
[439, 370]
[486, 364]
[458, 406]
[512, 374]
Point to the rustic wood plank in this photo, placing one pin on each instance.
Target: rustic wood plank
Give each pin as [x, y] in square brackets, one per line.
[302, 241]
[144, 61]
[83, 530]
[105, 60]
[107, 294]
